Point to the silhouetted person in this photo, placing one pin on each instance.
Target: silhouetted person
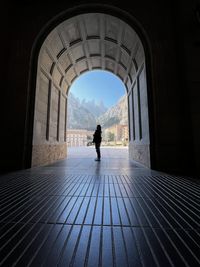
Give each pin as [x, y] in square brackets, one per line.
[97, 141]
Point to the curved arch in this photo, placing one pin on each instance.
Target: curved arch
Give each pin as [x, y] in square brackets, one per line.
[105, 71]
[67, 15]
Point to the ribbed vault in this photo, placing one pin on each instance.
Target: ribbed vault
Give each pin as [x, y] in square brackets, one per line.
[84, 43]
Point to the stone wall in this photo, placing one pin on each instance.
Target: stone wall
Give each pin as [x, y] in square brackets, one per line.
[140, 153]
[47, 153]
[49, 129]
[139, 146]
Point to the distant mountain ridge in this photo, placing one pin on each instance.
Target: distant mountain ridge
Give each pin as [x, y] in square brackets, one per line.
[87, 114]
[78, 116]
[116, 114]
[97, 109]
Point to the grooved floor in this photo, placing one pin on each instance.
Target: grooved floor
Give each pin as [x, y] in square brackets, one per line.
[78, 212]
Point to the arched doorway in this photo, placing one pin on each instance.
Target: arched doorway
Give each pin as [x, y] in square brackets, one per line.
[82, 43]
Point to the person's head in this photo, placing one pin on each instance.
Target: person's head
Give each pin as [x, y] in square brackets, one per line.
[99, 127]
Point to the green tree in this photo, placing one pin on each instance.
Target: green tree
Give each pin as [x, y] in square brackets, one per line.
[110, 136]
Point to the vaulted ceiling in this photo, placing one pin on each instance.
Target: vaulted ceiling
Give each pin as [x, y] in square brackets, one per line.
[87, 42]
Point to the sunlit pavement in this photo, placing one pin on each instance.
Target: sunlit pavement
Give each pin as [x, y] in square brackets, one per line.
[116, 212]
[113, 160]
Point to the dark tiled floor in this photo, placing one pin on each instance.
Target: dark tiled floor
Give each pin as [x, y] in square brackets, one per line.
[79, 212]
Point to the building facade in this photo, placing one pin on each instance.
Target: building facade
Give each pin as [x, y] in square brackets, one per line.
[78, 137]
[120, 133]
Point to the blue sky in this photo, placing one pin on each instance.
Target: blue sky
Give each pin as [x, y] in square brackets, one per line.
[98, 85]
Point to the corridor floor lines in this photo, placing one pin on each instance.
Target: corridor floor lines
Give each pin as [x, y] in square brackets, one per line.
[78, 212]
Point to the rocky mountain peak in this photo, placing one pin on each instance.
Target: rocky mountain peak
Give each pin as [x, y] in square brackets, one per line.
[87, 114]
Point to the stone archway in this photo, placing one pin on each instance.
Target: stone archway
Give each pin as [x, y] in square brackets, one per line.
[79, 44]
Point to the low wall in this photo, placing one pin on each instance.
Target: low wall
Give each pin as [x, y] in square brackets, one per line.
[47, 153]
[140, 153]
